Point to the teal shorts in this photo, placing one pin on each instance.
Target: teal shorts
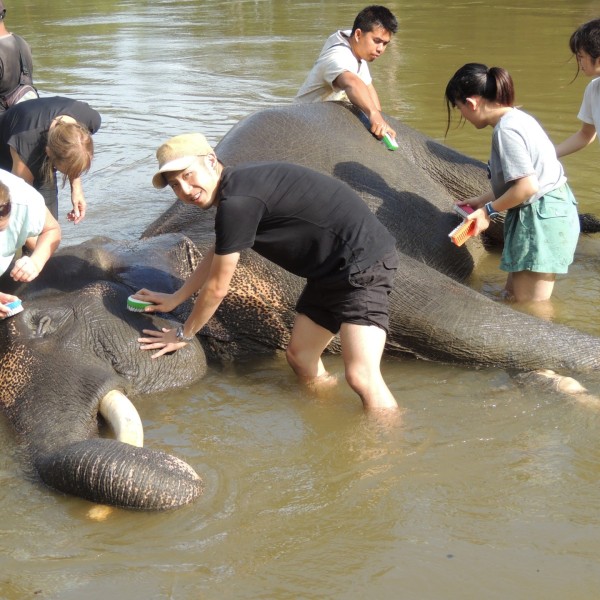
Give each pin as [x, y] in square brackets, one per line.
[542, 236]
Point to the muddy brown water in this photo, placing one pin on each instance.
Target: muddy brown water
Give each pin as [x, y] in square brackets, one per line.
[488, 490]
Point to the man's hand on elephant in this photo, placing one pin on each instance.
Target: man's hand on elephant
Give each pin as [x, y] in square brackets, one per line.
[164, 341]
[25, 269]
[391, 132]
[380, 128]
[161, 302]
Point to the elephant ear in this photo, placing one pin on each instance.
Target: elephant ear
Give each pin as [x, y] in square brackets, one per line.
[161, 263]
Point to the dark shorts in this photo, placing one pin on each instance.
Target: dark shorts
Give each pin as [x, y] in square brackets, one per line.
[362, 299]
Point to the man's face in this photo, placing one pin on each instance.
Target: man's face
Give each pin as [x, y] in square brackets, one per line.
[197, 184]
[370, 45]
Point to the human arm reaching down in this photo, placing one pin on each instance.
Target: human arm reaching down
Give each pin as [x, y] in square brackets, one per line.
[366, 98]
[211, 279]
[580, 139]
[27, 268]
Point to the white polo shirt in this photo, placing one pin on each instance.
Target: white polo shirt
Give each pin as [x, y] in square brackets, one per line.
[336, 57]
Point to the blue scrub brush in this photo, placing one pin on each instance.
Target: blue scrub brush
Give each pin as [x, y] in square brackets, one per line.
[15, 307]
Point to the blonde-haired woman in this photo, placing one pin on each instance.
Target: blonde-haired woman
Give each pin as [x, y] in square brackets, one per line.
[40, 137]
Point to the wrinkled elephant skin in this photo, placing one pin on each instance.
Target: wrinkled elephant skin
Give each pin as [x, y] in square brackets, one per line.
[75, 341]
[411, 190]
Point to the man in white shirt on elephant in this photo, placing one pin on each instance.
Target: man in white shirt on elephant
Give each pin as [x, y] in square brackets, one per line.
[341, 72]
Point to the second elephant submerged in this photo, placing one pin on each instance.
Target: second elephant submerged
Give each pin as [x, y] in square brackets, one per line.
[75, 342]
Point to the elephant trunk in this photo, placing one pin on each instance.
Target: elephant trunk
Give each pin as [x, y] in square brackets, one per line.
[122, 475]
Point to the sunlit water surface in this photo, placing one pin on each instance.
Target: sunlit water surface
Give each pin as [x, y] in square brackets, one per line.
[488, 490]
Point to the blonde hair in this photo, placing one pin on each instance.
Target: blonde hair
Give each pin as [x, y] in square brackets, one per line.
[69, 149]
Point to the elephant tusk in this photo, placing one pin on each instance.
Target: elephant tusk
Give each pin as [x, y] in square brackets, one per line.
[123, 417]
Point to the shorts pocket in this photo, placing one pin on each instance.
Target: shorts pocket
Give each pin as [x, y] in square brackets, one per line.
[391, 261]
[550, 208]
[362, 279]
[558, 203]
[380, 273]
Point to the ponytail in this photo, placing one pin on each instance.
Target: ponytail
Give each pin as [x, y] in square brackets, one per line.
[475, 79]
[504, 90]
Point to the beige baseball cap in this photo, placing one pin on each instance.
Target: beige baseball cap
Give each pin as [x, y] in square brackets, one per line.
[178, 153]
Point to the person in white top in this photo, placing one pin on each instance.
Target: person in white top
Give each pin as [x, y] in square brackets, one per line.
[341, 72]
[24, 221]
[585, 45]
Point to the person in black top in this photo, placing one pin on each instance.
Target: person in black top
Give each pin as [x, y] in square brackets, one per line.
[16, 67]
[41, 136]
[306, 222]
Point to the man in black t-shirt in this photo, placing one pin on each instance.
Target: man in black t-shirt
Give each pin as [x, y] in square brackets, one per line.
[310, 224]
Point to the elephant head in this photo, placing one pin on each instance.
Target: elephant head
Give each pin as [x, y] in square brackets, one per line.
[72, 355]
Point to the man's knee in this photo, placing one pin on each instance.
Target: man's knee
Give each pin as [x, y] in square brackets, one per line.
[358, 378]
[291, 357]
[299, 360]
[305, 362]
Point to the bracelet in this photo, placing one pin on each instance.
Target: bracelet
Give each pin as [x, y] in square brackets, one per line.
[490, 210]
[181, 337]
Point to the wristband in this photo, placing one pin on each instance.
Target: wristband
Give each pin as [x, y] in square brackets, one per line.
[490, 210]
[181, 337]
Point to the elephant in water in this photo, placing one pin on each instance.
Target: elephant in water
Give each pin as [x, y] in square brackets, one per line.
[432, 314]
[72, 354]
